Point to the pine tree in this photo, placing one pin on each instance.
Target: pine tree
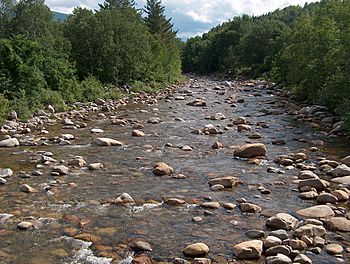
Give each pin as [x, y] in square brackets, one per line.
[156, 21]
[109, 4]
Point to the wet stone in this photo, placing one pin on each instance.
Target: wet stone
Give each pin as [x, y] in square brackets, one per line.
[141, 246]
[302, 259]
[162, 169]
[4, 173]
[271, 241]
[278, 259]
[210, 205]
[95, 166]
[280, 233]
[24, 225]
[282, 221]
[248, 250]
[318, 211]
[196, 250]
[255, 234]
[249, 208]
[334, 249]
[60, 170]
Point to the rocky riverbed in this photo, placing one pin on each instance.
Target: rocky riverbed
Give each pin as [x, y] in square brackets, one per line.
[209, 172]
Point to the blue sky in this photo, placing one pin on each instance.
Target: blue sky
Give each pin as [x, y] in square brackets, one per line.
[193, 17]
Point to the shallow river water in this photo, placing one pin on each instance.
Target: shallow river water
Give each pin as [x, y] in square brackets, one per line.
[75, 204]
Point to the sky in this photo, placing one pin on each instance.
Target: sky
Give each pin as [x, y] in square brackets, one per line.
[193, 17]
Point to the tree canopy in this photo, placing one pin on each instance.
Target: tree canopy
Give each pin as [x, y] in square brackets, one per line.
[92, 53]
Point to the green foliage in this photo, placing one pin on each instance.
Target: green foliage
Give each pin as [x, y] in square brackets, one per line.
[115, 46]
[4, 108]
[307, 49]
[109, 4]
[45, 62]
[89, 90]
[157, 23]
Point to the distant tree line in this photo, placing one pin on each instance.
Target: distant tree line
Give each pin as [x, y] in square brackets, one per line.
[307, 49]
[88, 56]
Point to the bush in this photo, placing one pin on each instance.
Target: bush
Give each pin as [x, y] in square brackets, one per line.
[89, 90]
[53, 98]
[4, 108]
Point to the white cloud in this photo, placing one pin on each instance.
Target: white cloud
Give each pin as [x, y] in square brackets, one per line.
[194, 15]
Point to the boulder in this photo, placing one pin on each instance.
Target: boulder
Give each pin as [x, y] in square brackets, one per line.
[137, 133]
[60, 170]
[342, 180]
[250, 150]
[324, 198]
[4, 173]
[211, 205]
[334, 249]
[95, 166]
[318, 184]
[142, 259]
[249, 249]
[302, 259]
[278, 259]
[198, 102]
[161, 169]
[196, 250]
[8, 143]
[24, 225]
[107, 142]
[140, 245]
[341, 195]
[27, 189]
[250, 208]
[310, 230]
[271, 241]
[124, 198]
[346, 161]
[282, 221]
[227, 182]
[318, 211]
[338, 224]
[340, 171]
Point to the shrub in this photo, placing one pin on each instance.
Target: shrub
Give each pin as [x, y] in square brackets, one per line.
[4, 108]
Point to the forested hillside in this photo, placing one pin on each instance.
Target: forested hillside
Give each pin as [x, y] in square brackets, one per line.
[305, 49]
[89, 55]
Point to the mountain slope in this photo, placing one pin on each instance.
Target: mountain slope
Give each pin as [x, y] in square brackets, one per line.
[59, 16]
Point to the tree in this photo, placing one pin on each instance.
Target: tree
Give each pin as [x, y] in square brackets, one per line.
[6, 13]
[33, 19]
[156, 21]
[109, 4]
